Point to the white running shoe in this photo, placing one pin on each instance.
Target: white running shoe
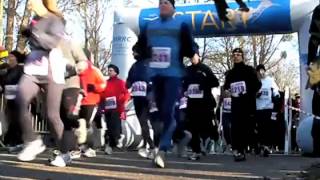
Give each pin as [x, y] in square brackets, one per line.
[75, 154]
[81, 131]
[143, 152]
[120, 141]
[89, 153]
[31, 150]
[62, 160]
[159, 159]
[107, 149]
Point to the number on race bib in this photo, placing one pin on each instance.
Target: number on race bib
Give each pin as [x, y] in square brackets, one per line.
[194, 91]
[161, 57]
[111, 103]
[10, 91]
[238, 88]
[139, 88]
[227, 103]
[265, 93]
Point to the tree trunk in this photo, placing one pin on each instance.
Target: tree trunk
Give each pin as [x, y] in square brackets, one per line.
[10, 24]
[1, 22]
[254, 51]
[21, 42]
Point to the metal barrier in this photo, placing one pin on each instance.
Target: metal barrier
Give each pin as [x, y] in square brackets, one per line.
[39, 125]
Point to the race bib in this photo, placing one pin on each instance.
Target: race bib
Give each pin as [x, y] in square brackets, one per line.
[183, 103]
[10, 91]
[111, 103]
[139, 88]
[36, 64]
[194, 91]
[227, 103]
[161, 57]
[238, 88]
[265, 93]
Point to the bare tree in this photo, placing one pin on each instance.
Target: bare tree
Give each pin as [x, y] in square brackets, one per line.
[216, 52]
[93, 14]
[286, 77]
[11, 12]
[21, 42]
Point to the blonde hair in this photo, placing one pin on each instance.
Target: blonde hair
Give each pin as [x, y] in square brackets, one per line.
[52, 7]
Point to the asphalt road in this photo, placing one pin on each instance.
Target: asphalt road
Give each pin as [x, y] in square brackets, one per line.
[127, 165]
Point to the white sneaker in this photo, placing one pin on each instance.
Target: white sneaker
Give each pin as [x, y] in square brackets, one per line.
[62, 160]
[89, 153]
[120, 141]
[81, 131]
[31, 150]
[75, 154]
[143, 152]
[159, 159]
[107, 149]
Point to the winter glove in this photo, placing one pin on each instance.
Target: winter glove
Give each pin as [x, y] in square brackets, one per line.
[90, 88]
[259, 94]
[123, 116]
[70, 71]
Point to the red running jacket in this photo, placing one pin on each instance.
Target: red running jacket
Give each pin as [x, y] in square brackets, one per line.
[116, 95]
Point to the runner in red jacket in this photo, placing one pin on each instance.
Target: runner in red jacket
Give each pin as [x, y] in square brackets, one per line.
[115, 97]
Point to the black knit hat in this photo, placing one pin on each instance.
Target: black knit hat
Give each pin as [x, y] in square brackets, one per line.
[19, 56]
[260, 66]
[237, 50]
[172, 2]
[115, 68]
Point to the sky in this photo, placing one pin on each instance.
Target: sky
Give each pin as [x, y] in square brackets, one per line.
[76, 27]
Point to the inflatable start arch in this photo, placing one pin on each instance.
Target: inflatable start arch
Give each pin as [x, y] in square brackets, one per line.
[264, 17]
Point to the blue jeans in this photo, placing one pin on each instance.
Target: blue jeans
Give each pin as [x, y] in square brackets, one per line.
[166, 92]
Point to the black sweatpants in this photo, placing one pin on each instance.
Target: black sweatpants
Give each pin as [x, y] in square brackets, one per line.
[14, 135]
[201, 126]
[264, 127]
[226, 124]
[141, 105]
[241, 129]
[113, 122]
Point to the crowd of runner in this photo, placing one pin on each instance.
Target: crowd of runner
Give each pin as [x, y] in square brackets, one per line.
[173, 103]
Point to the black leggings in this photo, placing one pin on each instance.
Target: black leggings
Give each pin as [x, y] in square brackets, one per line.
[69, 112]
[113, 122]
[70, 106]
[141, 105]
[14, 135]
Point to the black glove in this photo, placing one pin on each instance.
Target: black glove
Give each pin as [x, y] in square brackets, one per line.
[259, 94]
[26, 32]
[70, 71]
[90, 88]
